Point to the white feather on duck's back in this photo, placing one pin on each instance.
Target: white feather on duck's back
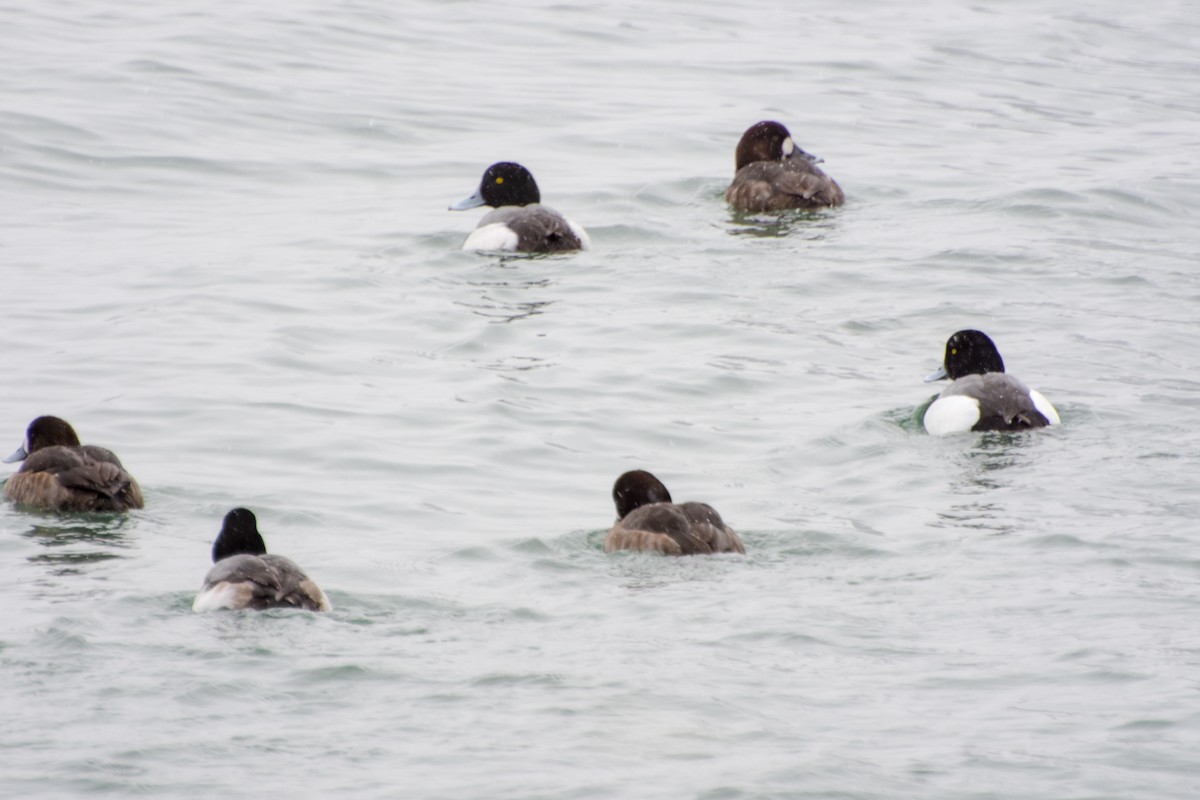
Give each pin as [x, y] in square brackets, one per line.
[585, 241]
[1043, 405]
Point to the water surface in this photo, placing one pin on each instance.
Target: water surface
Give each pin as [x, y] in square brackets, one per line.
[227, 256]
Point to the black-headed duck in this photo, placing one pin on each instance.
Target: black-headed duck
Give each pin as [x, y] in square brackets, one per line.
[245, 576]
[983, 397]
[519, 223]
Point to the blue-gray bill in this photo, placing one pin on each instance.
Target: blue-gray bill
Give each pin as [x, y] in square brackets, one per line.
[937, 375]
[474, 201]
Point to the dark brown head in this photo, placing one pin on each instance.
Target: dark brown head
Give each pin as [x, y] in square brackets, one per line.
[239, 534]
[45, 432]
[768, 141]
[637, 488]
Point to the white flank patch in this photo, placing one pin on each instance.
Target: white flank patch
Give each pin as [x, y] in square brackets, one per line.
[953, 414]
[324, 601]
[214, 598]
[496, 236]
[313, 591]
[585, 242]
[1043, 405]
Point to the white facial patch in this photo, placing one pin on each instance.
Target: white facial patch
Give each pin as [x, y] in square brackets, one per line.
[953, 414]
[788, 147]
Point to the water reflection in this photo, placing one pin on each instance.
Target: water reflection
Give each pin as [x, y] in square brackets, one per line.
[810, 225]
[993, 453]
[985, 468]
[647, 572]
[515, 363]
[73, 543]
[501, 299]
[979, 516]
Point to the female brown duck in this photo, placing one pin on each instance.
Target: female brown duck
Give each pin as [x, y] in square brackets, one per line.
[774, 174]
[649, 521]
[60, 474]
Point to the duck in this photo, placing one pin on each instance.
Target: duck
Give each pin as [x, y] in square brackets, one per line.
[774, 174]
[245, 576]
[519, 222]
[648, 521]
[60, 474]
[982, 397]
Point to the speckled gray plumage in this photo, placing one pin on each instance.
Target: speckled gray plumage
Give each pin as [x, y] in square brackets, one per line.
[539, 229]
[1004, 402]
[266, 581]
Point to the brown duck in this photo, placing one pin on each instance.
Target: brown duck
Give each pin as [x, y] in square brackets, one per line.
[60, 474]
[650, 522]
[774, 174]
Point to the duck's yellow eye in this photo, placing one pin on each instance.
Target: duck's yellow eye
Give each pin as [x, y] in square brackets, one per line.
[954, 351]
[499, 180]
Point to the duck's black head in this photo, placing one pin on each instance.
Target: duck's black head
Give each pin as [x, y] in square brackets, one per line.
[637, 488]
[971, 353]
[504, 184]
[239, 534]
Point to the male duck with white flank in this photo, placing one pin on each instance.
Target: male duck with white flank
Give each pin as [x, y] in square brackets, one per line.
[983, 396]
[519, 222]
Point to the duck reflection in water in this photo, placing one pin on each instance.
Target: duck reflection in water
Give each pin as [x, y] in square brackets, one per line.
[72, 545]
[985, 469]
[504, 300]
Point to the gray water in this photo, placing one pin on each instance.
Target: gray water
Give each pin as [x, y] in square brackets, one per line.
[226, 254]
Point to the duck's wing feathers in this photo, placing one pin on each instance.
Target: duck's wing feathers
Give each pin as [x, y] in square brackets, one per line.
[42, 490]
[263, 581]
[778, 185]
[85, 478]
[706, 524]
[1005, 403]
[296, 588]
[538, 229]
[658, 527]
[101, 454]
